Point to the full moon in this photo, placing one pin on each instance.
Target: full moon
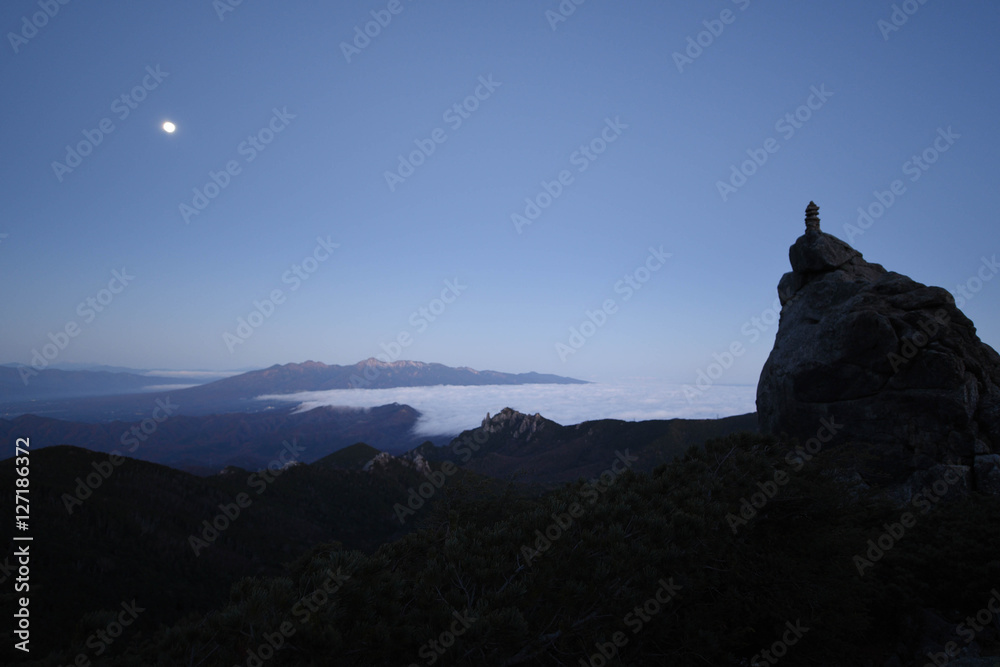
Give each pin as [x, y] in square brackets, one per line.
[169, 127]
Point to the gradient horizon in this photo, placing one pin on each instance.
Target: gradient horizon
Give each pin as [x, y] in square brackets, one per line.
[479, 185]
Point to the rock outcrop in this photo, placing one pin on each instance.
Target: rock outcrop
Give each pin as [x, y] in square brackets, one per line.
[383, 460]
[518, 423]
[893, 362]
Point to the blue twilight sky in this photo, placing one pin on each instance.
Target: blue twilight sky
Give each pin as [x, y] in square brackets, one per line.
[267, 90]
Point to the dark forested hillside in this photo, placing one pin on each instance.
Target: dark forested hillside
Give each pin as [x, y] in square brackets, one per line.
[543, 451]
[736, 553]
[105, 533]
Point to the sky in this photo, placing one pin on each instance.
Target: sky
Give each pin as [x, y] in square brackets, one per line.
[470, 183]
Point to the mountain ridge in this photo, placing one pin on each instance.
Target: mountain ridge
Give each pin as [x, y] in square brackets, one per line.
[546, 452]
[239, 393]
[373, 373]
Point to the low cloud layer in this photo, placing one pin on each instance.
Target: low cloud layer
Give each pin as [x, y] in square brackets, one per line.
[449, 410]
[193, 376]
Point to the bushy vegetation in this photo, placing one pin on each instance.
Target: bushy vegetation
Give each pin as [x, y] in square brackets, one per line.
[704, 561]
[130, 537]
[478, 585]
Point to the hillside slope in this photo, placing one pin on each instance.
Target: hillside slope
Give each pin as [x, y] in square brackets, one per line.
[103, 534]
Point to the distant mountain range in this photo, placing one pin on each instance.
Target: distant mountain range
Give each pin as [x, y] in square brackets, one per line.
[368, 374]
[104, 396]
[55, 384]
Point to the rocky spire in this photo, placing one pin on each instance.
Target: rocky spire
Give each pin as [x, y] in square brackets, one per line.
[893, 361]
[812, 218]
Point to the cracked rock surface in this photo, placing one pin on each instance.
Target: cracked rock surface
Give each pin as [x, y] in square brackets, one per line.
[894, 361]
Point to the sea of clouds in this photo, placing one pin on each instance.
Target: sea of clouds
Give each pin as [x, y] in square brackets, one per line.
[449, 410]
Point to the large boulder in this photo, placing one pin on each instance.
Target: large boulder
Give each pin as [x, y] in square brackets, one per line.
[893, 362]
